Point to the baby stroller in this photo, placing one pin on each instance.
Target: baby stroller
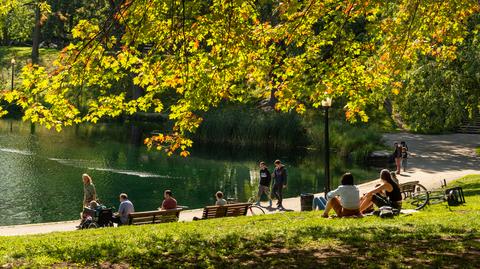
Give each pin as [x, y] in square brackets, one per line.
[99, 218]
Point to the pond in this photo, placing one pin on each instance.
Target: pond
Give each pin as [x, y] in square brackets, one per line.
[41, 172]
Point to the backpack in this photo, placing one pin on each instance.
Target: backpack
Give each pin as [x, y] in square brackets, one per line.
[455, 196]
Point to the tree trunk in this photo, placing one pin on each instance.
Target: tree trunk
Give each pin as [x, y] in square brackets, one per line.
[36, 36]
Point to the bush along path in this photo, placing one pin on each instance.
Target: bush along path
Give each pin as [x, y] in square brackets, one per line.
[438, 236]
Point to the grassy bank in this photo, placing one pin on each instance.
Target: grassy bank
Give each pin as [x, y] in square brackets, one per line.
[22, 56]
[236, 126]
[435, 237]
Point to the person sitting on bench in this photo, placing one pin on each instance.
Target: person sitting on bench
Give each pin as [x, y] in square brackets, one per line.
[169, 202]
[220, 200]
[349, 202]
[125, 208]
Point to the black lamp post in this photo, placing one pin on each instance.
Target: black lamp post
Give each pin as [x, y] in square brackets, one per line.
[13, 70]
[326, 104]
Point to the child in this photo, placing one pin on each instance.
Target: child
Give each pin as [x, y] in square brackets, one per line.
[404, 155]
[89, 212]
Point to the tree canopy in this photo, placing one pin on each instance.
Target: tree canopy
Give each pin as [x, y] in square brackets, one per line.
[182, 57]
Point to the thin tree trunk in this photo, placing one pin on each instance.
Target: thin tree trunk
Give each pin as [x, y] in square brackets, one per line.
[36, 36]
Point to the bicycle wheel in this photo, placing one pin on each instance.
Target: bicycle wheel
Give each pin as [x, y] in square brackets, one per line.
[255, 210]
[92, 225]
[416, 197]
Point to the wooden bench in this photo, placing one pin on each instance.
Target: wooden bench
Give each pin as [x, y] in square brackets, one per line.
[229, 210]
[408, 187]
[152, 217]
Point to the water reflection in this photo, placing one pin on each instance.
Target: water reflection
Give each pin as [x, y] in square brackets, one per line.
[41, 173]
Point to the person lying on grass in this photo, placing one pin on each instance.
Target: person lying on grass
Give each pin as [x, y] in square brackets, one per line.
[349, 202]
[392, 198]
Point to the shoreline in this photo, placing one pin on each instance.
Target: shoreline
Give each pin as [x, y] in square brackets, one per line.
[433, 159]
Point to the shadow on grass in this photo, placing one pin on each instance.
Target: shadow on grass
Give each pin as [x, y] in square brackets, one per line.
[413, 253]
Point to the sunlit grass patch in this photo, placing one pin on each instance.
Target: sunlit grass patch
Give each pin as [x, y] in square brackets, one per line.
[438, 236]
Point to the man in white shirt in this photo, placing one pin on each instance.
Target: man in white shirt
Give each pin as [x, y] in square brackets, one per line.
[349, 202]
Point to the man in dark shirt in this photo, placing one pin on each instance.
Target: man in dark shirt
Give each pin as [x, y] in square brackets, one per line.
[169, 202]
[280, 182]
[264, 186]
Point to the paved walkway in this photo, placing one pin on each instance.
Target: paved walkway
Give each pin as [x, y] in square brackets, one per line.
[433, 158]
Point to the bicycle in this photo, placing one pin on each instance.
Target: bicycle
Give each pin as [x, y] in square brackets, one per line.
[414, 195]
[417, 196]
[253, 209]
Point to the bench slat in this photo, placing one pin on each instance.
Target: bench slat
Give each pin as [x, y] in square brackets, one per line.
[152, 217]
[229, 210]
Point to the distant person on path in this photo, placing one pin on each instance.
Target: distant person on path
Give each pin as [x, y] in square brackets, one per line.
[404, 155]
[392, 198]
[125, 208]
[349, 202]
[264, 186]
[280, 182]
[169, 202]
[89, 192]
[220, 201]
[397, 154]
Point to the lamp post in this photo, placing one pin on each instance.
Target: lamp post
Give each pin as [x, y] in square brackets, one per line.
[326, 104]
[13, 70]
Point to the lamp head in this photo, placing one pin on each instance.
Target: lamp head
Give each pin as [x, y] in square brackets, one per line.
[13, 61]
[327, 102]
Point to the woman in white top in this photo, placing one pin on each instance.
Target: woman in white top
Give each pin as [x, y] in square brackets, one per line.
[349, 202]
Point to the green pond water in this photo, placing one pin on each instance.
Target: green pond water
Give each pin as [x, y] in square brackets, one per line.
[40, 179]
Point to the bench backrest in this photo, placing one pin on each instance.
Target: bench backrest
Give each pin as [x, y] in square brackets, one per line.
[152, 217]
[408, 187]
[230, 210]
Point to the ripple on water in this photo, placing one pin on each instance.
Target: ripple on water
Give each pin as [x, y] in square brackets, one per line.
[93, 165]
[132, 173]
[17, 151]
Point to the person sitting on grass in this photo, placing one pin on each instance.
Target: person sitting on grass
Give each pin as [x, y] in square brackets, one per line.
[169, 202]
[349, 202]
[392, 198]
[220, 200]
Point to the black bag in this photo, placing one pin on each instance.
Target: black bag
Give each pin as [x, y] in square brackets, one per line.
[455, 196]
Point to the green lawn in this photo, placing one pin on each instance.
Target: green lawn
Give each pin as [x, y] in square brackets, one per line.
[435, 237]
[22, 57]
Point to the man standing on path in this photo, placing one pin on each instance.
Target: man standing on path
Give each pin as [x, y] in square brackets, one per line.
[264, 186]
[125, 208]
[280, 177]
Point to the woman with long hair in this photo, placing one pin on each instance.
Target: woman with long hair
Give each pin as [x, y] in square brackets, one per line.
[386, 194]
[89, 192]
